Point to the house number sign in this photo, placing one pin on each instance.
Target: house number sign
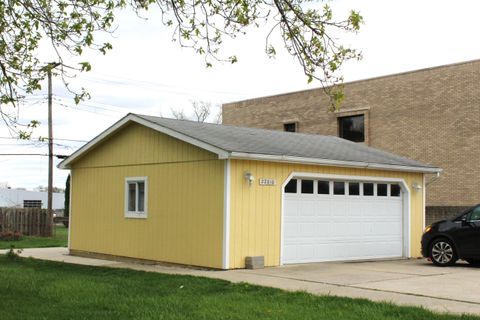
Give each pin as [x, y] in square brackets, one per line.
[266, 182]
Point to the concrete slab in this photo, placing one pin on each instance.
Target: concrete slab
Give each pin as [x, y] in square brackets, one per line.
[403, 282]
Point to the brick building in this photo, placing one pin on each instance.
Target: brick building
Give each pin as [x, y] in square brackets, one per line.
[430, 115]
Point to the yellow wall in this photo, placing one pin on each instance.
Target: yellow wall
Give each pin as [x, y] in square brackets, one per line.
[255, 211]
[185, 200]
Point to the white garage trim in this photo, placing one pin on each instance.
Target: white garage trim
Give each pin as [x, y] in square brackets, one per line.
[406, 202]
[226, 216]
[70, 211]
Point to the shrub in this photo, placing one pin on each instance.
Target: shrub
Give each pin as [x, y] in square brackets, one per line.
[10, 236]
[13, 254]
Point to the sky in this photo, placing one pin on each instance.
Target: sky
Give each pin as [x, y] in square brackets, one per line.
[147, 73]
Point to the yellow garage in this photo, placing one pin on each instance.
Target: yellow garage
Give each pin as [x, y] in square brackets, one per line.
[210, 195]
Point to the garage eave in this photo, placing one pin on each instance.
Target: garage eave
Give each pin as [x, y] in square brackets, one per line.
[66, 164]
[332, 163]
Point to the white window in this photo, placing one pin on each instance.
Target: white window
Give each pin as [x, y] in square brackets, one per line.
[136, 191]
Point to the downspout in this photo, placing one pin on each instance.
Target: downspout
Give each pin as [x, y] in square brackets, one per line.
[433, 180]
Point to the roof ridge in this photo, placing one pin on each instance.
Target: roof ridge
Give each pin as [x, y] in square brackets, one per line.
[240, 127]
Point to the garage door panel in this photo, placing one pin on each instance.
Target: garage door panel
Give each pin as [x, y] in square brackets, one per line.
[341, 227]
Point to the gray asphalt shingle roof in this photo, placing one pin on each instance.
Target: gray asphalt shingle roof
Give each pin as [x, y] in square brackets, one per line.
[279, 143]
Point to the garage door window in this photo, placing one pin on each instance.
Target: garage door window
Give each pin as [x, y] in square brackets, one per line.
[354, 188]
[291, 186]
[368, 189]
[394, 190]
[382, 190]
[346, 188]
[338, 188]
[323, 187]
[307, 186]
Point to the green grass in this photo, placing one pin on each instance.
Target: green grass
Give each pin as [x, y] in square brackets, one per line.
[35, 289]
[59, 240]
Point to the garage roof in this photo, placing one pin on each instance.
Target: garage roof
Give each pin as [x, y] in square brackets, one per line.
[269, 145]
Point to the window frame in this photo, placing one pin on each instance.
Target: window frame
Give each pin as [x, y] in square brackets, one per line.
[136, 214]
[341, 118]
[294, 123]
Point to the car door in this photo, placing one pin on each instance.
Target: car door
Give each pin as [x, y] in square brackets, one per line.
[468, 235]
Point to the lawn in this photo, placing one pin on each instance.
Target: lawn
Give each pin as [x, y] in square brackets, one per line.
[59, 240]
[34, 289]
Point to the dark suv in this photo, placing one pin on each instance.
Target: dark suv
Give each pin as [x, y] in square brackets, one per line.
[446, 241]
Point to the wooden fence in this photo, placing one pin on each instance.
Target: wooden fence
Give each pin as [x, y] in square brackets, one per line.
[28, 221]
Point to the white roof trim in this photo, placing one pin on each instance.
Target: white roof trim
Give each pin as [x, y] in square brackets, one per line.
[65, 164]
[334, 163]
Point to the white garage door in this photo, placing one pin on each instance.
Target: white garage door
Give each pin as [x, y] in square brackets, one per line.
[326, 220]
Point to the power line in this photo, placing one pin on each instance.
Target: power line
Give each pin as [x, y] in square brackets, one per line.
[148, 84]
[72, 140]
[72, 105]
[59, 156]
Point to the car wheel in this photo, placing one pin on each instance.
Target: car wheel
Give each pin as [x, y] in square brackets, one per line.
[474, 262]
[442, 252]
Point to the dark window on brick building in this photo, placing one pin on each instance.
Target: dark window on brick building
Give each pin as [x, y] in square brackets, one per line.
[32, 204]
[352, 128]
[290, 127]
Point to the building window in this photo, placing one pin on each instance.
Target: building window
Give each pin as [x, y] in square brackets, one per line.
[352, 128]
[32, 204]
[136, 197]
[290, 127]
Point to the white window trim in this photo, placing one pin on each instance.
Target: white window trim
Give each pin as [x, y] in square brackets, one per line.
[136, 214]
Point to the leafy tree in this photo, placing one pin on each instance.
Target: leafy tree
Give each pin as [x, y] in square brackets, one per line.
[71, 27]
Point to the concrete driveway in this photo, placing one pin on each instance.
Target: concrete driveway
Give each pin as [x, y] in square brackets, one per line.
[406, 282]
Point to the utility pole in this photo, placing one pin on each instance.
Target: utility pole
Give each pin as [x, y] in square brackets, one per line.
[50, 66]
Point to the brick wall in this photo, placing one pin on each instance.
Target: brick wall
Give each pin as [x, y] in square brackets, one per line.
[430, 115]
[434, 214]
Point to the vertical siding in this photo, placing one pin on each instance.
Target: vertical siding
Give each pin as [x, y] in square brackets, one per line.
[255, 214]
[136, 144]
[185, 200]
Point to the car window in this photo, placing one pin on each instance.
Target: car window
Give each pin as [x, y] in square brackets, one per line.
[475, 216]
[462, 217]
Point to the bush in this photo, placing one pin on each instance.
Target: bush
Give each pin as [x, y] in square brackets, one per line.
[13, 254]
[10, 236]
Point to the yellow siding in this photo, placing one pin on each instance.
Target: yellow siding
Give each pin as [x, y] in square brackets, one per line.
[185, 200]
[136, 144]
[255, 211]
